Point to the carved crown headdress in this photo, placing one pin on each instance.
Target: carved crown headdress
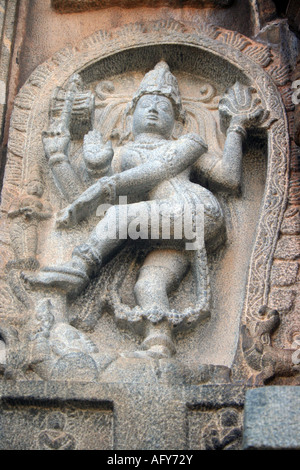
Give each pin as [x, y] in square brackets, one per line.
[160, 81]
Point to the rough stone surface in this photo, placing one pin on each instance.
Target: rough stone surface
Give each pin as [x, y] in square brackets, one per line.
[83, 5]
[288, 248]
[285, 273]
[282, 299]
[8, 12]
[272, 419]
[53, 31]
[128, 417]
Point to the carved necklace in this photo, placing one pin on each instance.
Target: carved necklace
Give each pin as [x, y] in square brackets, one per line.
[149, 143]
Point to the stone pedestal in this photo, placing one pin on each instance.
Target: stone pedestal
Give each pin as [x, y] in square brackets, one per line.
[119, 417]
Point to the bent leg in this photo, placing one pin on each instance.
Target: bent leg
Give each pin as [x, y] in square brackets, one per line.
[119, 223]
[106, 239]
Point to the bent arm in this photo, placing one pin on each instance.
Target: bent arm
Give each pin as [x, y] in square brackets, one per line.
[226, 171]
[172, 160]
[239, 109]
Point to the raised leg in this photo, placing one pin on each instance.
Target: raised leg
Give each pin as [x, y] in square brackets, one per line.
[119, 223]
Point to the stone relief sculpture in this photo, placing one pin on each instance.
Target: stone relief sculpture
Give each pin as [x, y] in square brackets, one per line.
[95, 158]
[25, 215]
[260, 353]
[55, 437]
[149, 230]
[153, 171]
[224, 431]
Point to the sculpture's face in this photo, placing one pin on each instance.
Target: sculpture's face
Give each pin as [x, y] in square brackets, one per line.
[154, 114]
[35, 188]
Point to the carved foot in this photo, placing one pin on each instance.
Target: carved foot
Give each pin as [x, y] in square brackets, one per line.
[158, 352]
[158, 343]
[68, 277]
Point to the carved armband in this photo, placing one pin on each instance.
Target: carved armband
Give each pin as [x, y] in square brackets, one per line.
[57, 158]
[195, 138]
[238, 129]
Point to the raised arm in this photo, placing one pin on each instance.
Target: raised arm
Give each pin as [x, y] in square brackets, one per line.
[239, 110]
[56, 142]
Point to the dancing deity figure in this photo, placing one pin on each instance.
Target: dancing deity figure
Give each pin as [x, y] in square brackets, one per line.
[154, 175]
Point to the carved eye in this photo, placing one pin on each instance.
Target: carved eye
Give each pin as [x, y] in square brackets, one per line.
[146, 103]
[164, 106]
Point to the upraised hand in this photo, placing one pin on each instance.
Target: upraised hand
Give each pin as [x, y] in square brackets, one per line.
[240, 106]
[55, 141]
[97, 155]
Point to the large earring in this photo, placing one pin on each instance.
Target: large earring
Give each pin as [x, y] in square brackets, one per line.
[126, 133]
[177, 130]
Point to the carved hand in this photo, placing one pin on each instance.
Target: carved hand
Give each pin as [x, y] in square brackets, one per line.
[66, 218]
[96, 154]
[239, 107]
[28, 212]
[100, 192]
[55, 141]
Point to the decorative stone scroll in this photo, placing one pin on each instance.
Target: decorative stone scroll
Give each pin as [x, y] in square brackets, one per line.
[208, 90]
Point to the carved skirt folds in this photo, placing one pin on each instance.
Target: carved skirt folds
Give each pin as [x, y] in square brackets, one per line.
[193, 210]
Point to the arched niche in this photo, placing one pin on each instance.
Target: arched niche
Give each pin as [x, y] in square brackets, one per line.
[240, 271]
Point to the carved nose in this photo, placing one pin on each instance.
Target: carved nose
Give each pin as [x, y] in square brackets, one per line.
[153, 108]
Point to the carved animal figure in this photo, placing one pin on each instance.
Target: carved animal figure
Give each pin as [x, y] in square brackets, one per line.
[259, 353]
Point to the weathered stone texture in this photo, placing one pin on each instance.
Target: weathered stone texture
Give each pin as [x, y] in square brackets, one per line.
[109, 417]
[272, 419]
[8, 11]
[284, 274]
[83, 5]
[126, 342]
[288, 247]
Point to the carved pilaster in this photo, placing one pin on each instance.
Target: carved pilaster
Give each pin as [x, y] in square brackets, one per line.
[8, 15]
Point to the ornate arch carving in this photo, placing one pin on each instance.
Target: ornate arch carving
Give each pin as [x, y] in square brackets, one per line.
[253, 60]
